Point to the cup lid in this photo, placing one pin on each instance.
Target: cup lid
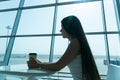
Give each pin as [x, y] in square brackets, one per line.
[32, 53]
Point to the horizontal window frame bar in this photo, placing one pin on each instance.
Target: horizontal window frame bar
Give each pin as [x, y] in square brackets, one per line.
[58, 34]
[4, 0]
[31, 35]
[43, 6]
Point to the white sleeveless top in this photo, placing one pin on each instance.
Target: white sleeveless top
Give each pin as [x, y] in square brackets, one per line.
[76, 68]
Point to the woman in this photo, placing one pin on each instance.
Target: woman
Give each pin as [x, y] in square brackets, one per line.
[77, 56]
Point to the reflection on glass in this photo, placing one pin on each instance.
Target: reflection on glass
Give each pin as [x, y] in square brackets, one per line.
[36, 21]
[88, 13]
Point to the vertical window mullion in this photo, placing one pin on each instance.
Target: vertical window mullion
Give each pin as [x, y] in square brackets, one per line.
[11, 41]
[105, 30]
[53, 36]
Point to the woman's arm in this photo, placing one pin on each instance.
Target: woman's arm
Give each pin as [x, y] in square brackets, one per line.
[68, 56]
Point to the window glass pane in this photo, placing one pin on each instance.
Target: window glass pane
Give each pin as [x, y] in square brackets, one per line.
[114, 48]
[97, 45]
[60, 46]
[6, 22]
[9, 4]
[37, 2]
[110, 15]
[6, 25]
[25, 45]
[3, 45]
[114, 45]
[36, 21]
[88, 13]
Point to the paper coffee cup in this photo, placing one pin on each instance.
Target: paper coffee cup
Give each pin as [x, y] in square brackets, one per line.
[32, 55]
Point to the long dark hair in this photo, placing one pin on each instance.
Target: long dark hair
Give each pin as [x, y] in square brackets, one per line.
[73, 27]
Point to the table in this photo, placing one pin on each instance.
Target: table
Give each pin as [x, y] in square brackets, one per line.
[22, 71]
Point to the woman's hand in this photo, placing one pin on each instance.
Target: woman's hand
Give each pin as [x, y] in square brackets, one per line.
[33, 63]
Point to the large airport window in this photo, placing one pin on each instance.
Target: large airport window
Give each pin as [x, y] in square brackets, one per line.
[37, 19]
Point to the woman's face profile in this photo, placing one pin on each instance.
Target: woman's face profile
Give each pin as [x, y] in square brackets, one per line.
[64, 33]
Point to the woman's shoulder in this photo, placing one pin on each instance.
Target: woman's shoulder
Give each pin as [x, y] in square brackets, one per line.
[75, 43]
